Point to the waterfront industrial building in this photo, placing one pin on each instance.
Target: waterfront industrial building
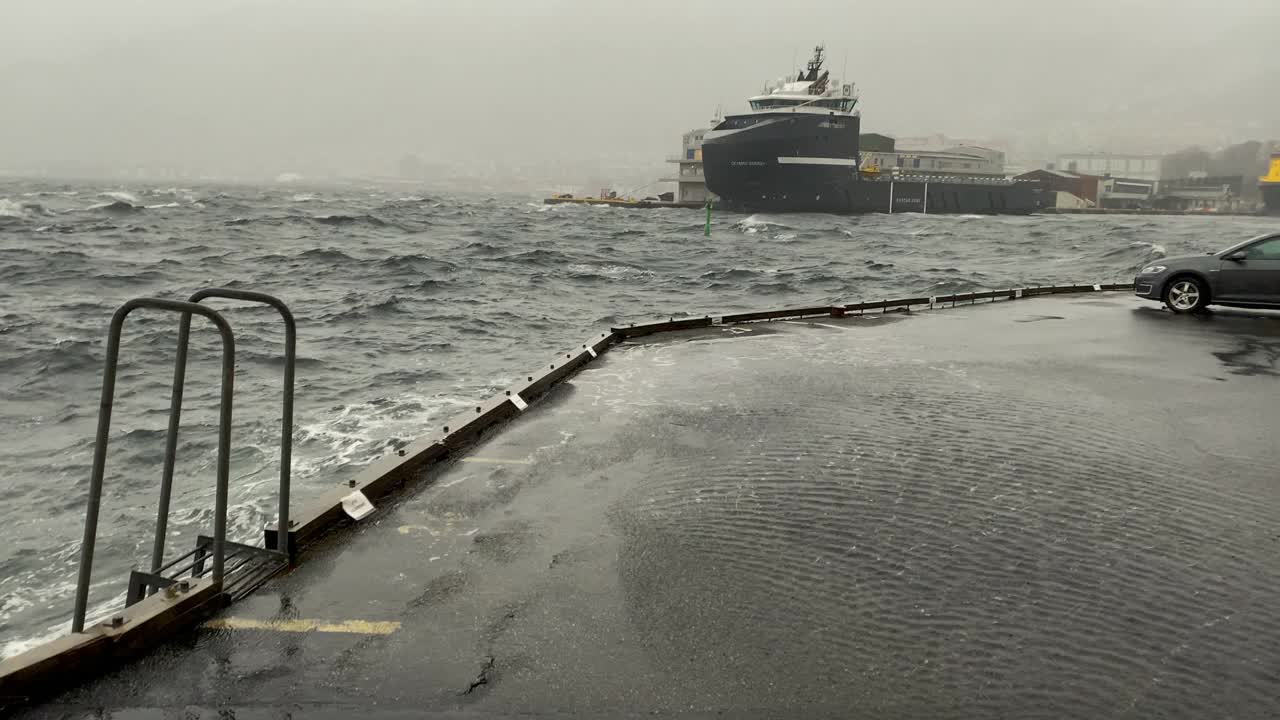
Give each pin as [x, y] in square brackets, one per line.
[691, 184]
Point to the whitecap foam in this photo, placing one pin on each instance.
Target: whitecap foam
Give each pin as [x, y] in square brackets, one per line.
[9, 208]
[559, 207]
[164, 205]
[753, 224]
[1157, 250]
[22, 209]
[16, 647]
[12, 604]
[617, 272]
[58, 592]
[355, 434]
[121, 196]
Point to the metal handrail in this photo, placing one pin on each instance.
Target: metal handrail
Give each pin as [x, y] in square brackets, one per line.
[175, 413]
[174, 562]
[104, 427]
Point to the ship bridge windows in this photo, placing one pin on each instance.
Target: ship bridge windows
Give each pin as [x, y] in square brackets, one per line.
[840, 104]
[774, 103]
[738, 122]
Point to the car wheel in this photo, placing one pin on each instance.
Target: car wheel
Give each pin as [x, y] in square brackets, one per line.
[1186, 294]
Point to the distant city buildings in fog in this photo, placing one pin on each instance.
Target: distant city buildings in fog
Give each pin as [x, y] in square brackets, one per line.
[1141, 167]
[938, 142]
[1192, 179]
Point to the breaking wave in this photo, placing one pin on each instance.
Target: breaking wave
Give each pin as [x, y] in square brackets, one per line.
[22, 209]
[753, 224]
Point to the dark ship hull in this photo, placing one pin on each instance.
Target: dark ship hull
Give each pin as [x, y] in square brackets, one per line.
[808, 162]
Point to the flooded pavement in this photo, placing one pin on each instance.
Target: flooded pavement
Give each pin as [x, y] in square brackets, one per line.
[1052, 507]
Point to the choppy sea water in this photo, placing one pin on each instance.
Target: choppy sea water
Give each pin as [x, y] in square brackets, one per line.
[410, 307]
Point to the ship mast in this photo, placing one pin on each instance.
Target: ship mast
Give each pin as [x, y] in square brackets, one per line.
[816, 63]
[819, 81]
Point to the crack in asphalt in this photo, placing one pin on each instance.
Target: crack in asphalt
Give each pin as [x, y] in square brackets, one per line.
[486, 673]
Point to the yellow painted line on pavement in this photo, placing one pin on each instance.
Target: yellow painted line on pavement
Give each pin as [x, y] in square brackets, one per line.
[496, 461]
[355, 627]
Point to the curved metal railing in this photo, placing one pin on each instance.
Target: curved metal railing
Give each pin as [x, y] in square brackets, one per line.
[104, 427]
[175, 414]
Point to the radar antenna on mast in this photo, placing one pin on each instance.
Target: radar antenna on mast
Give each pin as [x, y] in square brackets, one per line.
[816, 63]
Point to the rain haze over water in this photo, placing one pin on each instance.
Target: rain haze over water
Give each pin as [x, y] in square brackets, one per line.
[521, 95]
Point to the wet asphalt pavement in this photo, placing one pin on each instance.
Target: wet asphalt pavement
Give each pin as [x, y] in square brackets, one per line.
[1056, 507]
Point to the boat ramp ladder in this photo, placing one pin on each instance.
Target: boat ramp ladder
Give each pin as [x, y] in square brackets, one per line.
[234, 569]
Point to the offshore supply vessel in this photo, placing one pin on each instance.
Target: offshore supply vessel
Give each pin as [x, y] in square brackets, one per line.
[797, 150]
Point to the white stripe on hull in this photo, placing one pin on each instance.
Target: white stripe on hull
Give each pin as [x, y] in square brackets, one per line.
[847, 162]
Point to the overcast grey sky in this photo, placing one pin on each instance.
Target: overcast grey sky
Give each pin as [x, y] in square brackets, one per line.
[348, 86]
